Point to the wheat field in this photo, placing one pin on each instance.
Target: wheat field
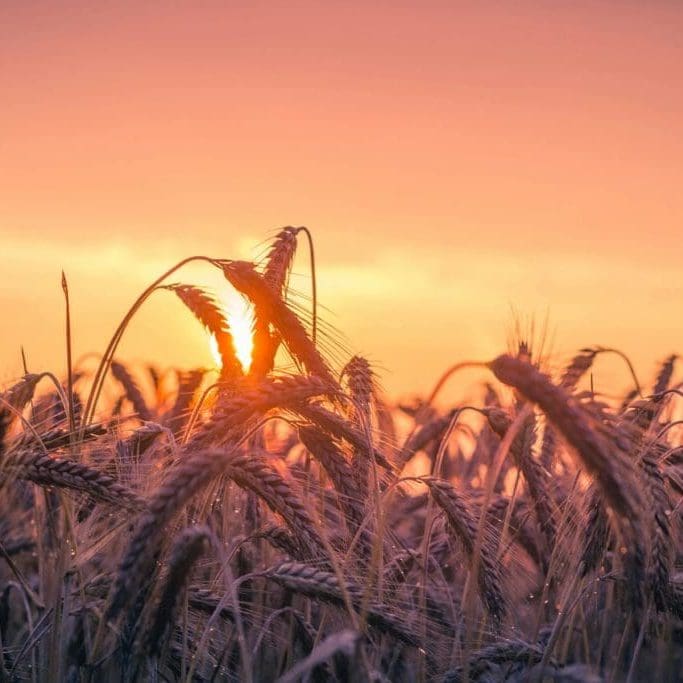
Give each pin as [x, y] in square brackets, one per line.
[291, 523]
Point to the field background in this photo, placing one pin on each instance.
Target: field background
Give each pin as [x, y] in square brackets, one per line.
[452, 159]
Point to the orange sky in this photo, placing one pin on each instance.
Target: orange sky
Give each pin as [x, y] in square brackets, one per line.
[453, 160]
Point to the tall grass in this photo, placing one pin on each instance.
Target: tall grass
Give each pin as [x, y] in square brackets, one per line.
[266, 527]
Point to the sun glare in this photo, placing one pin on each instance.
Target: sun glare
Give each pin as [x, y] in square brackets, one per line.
[240, 317]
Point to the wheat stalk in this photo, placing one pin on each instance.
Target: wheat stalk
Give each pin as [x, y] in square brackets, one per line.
[47, 470]
[462, 524]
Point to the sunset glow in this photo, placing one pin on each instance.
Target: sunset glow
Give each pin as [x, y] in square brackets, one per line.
[240, 317]
[480, 155]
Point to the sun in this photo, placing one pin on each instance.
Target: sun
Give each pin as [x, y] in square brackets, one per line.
[240, 316]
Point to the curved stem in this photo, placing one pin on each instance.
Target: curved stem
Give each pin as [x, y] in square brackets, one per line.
[404, 456]
[108, 355]
[197, 408]
[314, 286]
[667, 392]
[665, 429]
[58, 388]
[626, 359]
[422, 411]
[449, 373]
[27, 425]
[69, 369]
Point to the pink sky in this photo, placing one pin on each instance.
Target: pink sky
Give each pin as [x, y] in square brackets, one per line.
[453, 160]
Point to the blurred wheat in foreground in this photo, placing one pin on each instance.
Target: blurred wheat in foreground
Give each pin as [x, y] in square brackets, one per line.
[271, 524]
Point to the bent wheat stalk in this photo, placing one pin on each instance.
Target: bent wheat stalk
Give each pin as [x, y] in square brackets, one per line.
[462, 524]
[194, 473]
[47, 470]
[616, 475]
[189, 546]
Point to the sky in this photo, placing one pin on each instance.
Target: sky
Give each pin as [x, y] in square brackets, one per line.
[459, 164]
